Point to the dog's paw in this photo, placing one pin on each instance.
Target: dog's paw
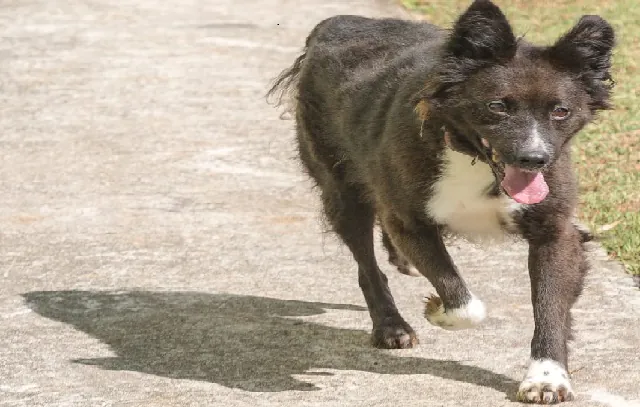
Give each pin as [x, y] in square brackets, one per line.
[403, 265]
[394, 333]
[468, 316]
[409, 270]
[546, 382]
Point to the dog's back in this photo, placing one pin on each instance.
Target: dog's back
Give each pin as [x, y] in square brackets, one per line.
[369, 37]
[343, 51]
[344, 84]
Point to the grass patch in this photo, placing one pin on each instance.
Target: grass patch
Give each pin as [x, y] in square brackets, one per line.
[607, 152]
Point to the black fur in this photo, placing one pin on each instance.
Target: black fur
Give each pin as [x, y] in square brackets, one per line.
[372, 97]
[586, 51]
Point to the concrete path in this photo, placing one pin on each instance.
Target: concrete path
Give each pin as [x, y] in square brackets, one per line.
[160, 248]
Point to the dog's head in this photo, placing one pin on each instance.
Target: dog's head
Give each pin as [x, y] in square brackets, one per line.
[522, 102]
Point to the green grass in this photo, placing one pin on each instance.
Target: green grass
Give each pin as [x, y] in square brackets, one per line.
[607, 152]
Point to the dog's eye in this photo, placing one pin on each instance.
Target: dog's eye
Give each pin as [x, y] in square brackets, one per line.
[560, 113]
[497, 106]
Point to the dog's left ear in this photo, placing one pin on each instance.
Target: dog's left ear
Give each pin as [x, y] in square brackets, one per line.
[586, 51]
[587, 46]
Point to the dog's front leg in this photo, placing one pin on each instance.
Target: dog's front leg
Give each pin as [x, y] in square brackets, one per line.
[557, 266]
[421, 243]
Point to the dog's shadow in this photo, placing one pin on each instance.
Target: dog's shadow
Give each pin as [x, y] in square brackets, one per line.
[244, 342]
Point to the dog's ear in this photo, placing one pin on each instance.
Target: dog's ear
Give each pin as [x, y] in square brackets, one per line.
[586, 51]
[480, 38]
[587, 46]
[482, 33]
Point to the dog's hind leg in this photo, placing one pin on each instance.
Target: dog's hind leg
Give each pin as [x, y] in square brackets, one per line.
[397, 259]
[353, 220]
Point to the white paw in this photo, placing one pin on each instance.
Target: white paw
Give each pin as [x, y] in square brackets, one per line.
[468, 316]
[546, 382]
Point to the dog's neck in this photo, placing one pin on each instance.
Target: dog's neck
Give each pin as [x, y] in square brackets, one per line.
[468, 144]
[459, 142]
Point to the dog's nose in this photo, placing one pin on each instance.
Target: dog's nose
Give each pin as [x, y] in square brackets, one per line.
[533, 160]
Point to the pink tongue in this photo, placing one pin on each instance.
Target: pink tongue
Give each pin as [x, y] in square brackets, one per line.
[524, 187]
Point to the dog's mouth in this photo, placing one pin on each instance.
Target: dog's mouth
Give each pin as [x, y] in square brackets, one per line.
[523, 186]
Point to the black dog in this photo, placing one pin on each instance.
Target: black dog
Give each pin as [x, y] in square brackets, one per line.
[464, 131]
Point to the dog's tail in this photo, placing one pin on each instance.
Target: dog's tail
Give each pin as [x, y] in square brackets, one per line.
[284, 90]
[285, 86]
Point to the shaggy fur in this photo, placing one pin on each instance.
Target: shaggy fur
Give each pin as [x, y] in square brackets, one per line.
[393, 117]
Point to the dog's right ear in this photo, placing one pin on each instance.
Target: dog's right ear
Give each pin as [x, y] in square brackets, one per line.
[482, 33]
[480, 38]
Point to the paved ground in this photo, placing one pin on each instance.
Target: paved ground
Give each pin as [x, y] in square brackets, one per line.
[159, 247]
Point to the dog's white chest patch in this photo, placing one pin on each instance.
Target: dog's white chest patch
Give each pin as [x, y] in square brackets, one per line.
[459, 199]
